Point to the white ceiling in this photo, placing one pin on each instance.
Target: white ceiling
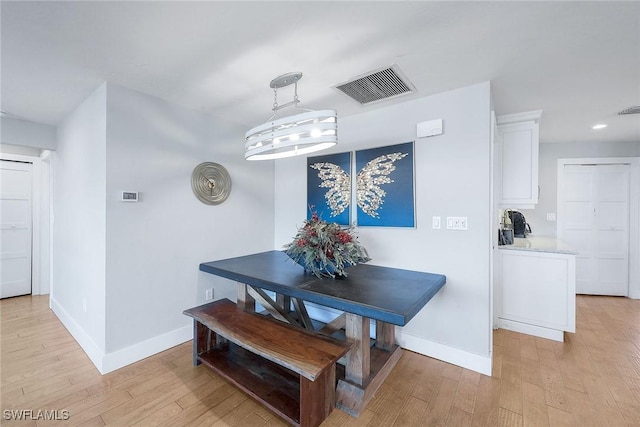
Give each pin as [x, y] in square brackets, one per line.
[579, 62]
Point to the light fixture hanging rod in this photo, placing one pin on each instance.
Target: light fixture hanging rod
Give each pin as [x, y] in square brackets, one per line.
[288, 104]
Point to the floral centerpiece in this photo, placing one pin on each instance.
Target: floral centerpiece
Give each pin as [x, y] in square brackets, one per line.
[326, 249]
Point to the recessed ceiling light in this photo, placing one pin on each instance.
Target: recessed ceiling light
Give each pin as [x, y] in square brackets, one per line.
[599, 126]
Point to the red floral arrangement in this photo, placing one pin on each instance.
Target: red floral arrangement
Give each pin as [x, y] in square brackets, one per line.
[326, 249]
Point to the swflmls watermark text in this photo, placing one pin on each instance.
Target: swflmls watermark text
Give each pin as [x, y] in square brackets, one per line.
[36, 414]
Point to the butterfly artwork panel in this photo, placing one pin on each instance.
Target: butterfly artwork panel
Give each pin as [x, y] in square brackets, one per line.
[329, 187]
[385, 186]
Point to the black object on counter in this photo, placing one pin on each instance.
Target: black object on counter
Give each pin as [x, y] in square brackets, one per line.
[505, 237]
[520, 226]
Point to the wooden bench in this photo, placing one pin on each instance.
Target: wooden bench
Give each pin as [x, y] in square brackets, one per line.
[290, 370]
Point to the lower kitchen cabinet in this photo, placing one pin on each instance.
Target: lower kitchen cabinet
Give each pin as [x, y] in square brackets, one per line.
[536, 292]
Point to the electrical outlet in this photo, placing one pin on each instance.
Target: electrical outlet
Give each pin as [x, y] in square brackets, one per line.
[457, 223]
[84, 305]
[208, 294]
[551, 216]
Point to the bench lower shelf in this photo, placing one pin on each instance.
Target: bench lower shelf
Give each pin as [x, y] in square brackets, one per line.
[291, 396]
[272, 385]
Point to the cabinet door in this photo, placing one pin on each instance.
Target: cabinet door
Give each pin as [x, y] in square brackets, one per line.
[519, 164]
[538, 289]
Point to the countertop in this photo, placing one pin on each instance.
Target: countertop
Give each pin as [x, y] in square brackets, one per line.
[539, 244]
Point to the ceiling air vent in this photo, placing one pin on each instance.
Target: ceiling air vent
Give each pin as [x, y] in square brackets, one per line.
[635, 109]
[377, 85]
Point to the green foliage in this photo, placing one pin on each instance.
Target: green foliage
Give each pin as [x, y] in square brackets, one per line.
[326, 249]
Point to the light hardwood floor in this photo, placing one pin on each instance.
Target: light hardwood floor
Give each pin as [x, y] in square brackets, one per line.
[593, 379]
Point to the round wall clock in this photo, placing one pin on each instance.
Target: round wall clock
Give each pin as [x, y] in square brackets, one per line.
[211, 183]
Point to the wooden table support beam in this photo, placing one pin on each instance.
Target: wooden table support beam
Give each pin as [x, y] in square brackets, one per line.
[271, 306]
[335, 325]
[284, 301]
[303, 316]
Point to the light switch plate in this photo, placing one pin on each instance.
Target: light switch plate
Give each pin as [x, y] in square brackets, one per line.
[435, 223]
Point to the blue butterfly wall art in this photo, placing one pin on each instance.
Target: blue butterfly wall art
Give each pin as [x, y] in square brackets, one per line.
[384, 186]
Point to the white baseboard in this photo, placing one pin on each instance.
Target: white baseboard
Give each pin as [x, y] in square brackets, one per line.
[126, 356]
[109, 362]
[91, 349]
[106, 363]
[525, 328]
[455, 356]
[474, 362]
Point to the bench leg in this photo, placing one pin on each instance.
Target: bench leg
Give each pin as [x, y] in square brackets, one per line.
[204, 339]
[317, 398]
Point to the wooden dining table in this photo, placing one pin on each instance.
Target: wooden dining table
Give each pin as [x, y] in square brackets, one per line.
[389, 296]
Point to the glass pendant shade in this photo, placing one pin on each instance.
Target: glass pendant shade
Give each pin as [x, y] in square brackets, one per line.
[302, 133]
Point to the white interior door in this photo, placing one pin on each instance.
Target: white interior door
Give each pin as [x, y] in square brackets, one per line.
[595, 222]
[15, 228]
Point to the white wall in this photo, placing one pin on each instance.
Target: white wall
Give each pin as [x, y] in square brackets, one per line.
[452, 174]
[44, 266]
[154, 246]
[26, 133]
[549, 155]
[136, 264]
[79, 227]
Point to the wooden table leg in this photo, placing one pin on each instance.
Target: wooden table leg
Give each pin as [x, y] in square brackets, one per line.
[358, 359]
[385, 335]
[245, 301]
[366, 368]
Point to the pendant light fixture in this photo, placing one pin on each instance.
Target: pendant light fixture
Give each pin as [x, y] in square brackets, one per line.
[304, 132]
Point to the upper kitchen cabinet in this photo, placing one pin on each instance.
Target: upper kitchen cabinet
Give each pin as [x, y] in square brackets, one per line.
[518, 145]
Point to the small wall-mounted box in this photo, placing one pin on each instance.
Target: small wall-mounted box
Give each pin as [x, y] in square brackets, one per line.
[429, 128]
[129, 196]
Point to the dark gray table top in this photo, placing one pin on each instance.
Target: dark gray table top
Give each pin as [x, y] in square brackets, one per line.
[388, 294]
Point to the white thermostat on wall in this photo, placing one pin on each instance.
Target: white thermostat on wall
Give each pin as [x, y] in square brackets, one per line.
[429, 128]
[129, 196]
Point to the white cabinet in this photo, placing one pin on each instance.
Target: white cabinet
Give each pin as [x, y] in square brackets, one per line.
[537, 293]
[518, 145]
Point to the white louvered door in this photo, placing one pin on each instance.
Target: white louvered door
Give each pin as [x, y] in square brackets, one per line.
[595, 222]
[15, 228]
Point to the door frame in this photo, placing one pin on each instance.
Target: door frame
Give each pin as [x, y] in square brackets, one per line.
[634, 209]
[40, 197]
